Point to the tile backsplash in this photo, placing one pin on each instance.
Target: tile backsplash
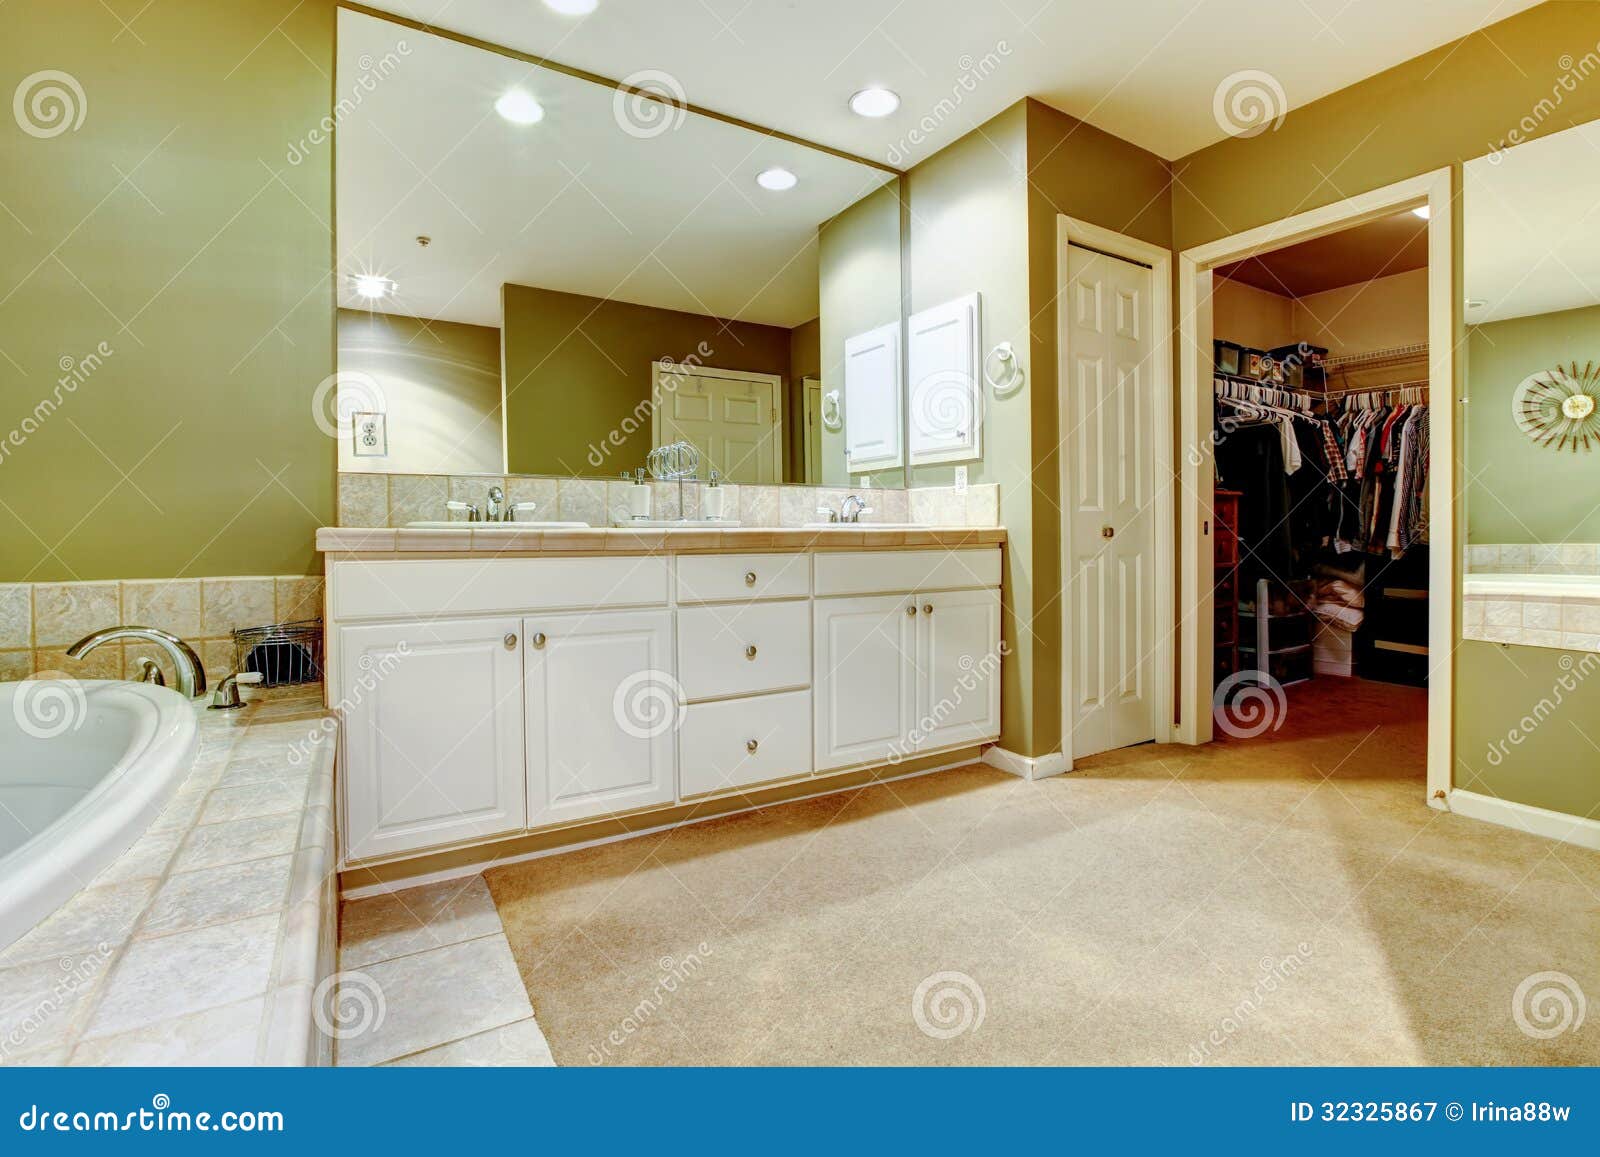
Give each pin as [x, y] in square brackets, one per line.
[39, 621]
[396, 499]
[1533, 558]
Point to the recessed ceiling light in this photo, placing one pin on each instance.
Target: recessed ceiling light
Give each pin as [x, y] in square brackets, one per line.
[874, 102]
[1423, 211]
[519, 108]
[777, 179]
[1476, 303]
[572, 7]
[371, 285]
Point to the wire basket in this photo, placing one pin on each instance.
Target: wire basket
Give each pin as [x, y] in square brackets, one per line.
[283, 653]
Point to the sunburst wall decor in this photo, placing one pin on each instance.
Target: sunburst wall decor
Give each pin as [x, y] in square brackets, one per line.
[1560, 408]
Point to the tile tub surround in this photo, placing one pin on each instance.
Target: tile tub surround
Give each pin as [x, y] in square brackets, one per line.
[205, 943]
[1533, 558]
[450, 988]
[39, 621]
[392, 500]
[1569, 622]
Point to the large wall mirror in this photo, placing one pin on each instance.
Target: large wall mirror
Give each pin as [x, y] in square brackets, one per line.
[542, 274]
[1532, 287]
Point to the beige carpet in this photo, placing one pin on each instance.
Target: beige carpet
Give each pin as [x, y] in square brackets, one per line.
[1283, 900]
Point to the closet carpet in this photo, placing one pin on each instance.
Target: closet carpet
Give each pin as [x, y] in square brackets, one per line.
[1282, 900]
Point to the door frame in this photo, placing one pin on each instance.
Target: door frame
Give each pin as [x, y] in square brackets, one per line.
[1199, 473]
[666, 367]
[1072, 231]
[811, 432]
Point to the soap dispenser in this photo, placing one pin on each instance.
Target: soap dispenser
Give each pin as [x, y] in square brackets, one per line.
[711, 502]
[639, 497]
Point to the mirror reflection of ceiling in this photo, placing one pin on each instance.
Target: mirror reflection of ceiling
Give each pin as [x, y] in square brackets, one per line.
[576, 202]
[1533, 227]
[956, 63]
[1394, 244]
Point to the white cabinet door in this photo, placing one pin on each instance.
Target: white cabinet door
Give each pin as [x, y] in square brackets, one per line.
[958, 668]
[865, 678]
[602, 713]
[943, 387]
[872, 399]
[432, 733]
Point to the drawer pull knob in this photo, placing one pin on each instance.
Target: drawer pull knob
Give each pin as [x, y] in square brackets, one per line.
[511, 642]
[750, 651]
[750, 745]
[911, 610]
[538, 639]
[749, 578]
[927, 608]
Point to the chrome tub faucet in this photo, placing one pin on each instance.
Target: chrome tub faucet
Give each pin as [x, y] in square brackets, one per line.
[191, 672]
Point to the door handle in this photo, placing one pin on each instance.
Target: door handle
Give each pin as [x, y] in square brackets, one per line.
[511, 641]
[1106, 532]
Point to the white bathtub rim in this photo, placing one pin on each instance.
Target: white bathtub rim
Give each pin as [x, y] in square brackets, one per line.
[1570, 586]
[60, 861]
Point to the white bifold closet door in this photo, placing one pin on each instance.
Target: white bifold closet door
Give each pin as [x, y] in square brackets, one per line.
[1108, 416]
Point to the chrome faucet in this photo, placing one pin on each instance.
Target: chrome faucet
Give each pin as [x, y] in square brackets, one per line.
[191, 673]
[495, 511]
[852, 508]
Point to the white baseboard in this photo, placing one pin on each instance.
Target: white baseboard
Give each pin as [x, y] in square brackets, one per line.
[1538, 821]
[1027, 766]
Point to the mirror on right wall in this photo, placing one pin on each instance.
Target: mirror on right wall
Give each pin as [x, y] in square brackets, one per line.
[1532, 447]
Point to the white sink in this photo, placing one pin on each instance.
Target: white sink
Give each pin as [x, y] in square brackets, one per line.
[863, 526]
[675, 523]
[505, 526]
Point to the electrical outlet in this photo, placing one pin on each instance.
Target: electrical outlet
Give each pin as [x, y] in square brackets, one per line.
[961, 479]
[370, 433]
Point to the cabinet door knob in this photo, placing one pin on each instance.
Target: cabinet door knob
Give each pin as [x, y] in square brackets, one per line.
[538, 639]
[750, 651]
[750, 745]
[927, 608]
[911, 610]
[1107, 531]
[511, 641]
[749, 578]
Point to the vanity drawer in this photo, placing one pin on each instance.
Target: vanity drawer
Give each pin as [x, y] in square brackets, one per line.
[387, 589]
[714, 743]
[741, 650]
[709, 578]
[869, 572]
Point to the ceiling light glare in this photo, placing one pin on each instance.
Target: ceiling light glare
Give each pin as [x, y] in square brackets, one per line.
[777, 179]
[519, 108]
[874, 102]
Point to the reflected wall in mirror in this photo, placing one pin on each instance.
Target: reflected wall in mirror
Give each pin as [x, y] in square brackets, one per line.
[541, 274]
[1532, 285]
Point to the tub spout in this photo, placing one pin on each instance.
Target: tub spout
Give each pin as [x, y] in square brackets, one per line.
[191, 673]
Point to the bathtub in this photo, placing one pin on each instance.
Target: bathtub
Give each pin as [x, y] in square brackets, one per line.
[84, 767]
[1539, 586]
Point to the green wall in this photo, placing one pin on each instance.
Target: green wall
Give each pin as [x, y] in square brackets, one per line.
[1438, 110]
[1516, 490]
[577, 369]
[171, 227]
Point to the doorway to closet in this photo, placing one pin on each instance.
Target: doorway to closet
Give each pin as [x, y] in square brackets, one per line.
[1321, 417]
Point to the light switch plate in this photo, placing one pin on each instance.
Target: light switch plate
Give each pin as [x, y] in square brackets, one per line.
[961, 479]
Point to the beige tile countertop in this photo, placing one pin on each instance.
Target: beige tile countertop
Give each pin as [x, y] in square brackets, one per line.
[601, 540]
[205, 943]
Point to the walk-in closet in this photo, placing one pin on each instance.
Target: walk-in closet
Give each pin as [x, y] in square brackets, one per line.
[1320, 381]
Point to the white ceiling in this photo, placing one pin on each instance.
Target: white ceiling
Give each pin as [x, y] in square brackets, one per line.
[573, 203]
[1533, 227]
[1145, 70]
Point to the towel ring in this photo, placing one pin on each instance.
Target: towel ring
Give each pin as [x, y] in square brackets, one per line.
[1010, 376]
[831, 418]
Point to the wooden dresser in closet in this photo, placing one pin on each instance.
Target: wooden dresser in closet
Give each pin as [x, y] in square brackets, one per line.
[1225, 594]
